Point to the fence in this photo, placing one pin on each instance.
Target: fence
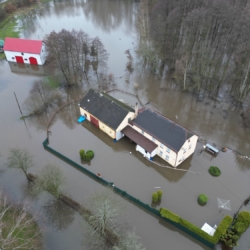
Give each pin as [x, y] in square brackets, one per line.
[125, 194]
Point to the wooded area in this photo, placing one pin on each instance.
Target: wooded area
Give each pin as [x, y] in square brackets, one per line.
[203, 45]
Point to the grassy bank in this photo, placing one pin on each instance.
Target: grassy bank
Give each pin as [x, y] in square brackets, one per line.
[7, 29]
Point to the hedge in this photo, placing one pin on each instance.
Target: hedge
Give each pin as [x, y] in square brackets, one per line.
[169, 215]
[221, 229]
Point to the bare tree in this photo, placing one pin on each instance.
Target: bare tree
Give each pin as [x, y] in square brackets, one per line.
[20, 159]
[129, 241]
[51, 179]
[69, 53]
[18, 228]
[42, 98]
[105, 210]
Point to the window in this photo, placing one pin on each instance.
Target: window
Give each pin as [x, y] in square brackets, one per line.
[167, 157]
[13, 57]
[25, 59]
[153, 139]
[190, 146]
[184, 150]
[161, 145]
[22, 54]
[189, 140]
[168, 149]
[161, 153]
[142, 132]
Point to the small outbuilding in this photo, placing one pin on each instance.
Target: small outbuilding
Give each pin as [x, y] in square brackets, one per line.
[107, 113]
[24, 51]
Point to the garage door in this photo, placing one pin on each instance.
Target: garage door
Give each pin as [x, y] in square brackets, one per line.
[94, 121]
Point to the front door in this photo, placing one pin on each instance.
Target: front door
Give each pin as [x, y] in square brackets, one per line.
[33, 60]
[94, 121]
[19, 59]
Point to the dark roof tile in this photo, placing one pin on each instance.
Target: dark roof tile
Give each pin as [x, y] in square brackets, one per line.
[105, 108]
[161, 128]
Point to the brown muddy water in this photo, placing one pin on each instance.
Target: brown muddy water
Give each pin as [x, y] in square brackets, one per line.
[216, 121]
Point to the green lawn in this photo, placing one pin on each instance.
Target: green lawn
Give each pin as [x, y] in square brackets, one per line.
[7, 29]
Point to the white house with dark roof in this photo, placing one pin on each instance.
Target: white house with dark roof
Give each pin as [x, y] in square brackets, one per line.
[106, 112]
[172, 142]
[152, 133]
[24, 51]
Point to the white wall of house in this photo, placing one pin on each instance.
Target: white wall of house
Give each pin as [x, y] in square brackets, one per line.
[119, 135]
[167, 154]
[187, 149]
[124, 123]
[43, 54]
[85, 113]
[141, 150]
[11, 57]
[162, 151]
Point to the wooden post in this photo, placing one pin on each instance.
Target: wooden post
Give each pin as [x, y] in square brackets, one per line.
[18, 104]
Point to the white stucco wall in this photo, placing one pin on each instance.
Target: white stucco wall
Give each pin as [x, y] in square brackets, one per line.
[187, 149]
[83, 112]
[10, 56]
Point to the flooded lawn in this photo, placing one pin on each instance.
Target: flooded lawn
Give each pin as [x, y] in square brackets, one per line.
[215, 121]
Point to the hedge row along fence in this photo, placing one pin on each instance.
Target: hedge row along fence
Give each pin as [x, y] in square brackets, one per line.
[195, 231]
[164, 214]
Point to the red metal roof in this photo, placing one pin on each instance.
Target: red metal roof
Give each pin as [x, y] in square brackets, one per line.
[23, 45]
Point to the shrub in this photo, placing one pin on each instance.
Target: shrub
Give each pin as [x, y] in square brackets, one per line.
[202, 199]
[82, 153]
[90, 153]
[239, 227]
[87, 157]
[154, 197]
[214, 171]
[159, 192]
[244, 217]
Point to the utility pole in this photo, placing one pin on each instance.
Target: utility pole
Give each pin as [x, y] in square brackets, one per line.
[18, 104]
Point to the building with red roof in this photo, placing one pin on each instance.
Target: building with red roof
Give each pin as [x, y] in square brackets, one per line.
[24, 51]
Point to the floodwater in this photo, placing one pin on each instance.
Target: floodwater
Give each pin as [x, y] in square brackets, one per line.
[215, 121]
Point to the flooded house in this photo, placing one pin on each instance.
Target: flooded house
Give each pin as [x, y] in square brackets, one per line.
[24, 51]
[163, 137]
[106, 112]
[152, 133]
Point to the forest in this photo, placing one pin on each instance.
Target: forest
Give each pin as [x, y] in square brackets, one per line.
[202, 45]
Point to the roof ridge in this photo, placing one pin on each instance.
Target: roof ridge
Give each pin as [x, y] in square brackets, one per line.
[119, 103]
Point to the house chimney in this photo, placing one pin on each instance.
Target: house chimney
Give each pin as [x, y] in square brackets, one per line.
[136, 110]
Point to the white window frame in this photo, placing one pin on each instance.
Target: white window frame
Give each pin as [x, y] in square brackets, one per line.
[167, 157]
[142, 132]
[161, 153]
[168, 150]
[161, 145]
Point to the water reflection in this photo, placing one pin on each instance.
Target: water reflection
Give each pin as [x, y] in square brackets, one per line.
[21, 68]
[109, 15]
[58, 214]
